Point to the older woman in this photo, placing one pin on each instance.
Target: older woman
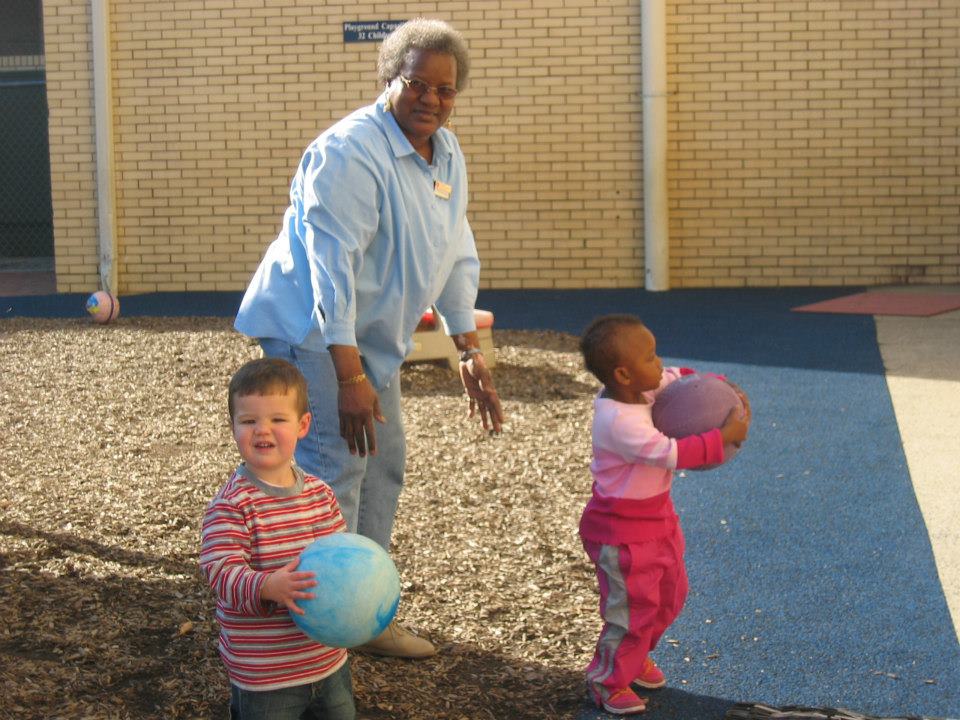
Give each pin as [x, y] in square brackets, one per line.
[376, 232]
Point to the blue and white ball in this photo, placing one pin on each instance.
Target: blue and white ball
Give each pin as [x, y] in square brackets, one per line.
[357, 590]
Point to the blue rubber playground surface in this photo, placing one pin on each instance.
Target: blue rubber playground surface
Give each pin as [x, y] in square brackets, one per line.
[812, 574]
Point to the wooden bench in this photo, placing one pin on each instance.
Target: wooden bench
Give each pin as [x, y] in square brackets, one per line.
[432, 343]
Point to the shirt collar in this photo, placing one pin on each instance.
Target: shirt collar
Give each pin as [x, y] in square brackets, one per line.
[398, 141]
[273, 490]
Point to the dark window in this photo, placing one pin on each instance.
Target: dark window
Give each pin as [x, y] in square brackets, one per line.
[21, 27]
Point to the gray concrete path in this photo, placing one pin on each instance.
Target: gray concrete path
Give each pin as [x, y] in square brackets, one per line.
[922, 361]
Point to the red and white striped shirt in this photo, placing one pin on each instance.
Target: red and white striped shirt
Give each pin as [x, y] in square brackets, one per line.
[249, 530]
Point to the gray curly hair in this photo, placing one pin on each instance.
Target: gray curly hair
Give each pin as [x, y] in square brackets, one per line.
[422, 34]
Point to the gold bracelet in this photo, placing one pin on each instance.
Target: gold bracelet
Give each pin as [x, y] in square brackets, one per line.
[355, 380]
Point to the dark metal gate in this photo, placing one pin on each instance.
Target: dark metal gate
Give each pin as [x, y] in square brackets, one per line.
[26, 211]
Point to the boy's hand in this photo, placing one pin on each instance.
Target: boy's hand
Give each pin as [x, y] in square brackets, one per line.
[285, 585]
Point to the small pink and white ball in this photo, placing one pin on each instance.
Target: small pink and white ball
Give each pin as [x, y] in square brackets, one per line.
[103, 307]
[695, 404]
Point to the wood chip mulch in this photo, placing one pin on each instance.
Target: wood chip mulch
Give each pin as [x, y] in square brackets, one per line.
[114, 439]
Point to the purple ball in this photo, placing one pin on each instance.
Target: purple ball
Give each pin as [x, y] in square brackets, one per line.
[693, 405]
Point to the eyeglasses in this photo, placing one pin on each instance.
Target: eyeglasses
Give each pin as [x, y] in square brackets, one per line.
[444, 92]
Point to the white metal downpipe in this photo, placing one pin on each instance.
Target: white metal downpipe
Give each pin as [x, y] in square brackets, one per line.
[103, 136]
[656, 233]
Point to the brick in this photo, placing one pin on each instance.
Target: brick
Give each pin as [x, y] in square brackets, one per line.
[790, 123]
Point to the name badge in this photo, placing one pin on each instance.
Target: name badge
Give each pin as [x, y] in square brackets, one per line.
[442, 190]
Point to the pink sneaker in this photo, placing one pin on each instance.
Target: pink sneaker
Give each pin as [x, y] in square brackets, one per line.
[652, 677]
[620, 702]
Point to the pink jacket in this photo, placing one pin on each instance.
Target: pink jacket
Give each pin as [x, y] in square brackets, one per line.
[633, 466]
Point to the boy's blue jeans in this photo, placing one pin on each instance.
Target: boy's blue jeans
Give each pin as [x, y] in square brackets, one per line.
[367, 488]
[327, 699]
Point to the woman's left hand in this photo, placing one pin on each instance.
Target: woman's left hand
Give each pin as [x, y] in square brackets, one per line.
[478, 382]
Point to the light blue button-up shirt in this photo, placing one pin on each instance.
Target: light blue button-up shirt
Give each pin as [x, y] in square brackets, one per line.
[370, 240]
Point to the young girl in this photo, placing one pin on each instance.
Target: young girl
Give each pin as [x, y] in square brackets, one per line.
[629, 527]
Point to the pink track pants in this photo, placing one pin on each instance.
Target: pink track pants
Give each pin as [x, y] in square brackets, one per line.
[642, 590]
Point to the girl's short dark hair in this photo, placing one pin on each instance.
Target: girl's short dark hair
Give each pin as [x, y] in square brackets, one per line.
[597, 344]
[422, 34]
[266, 376]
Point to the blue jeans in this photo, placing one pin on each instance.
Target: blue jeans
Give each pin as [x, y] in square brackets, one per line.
[367, 488]
[327, 699]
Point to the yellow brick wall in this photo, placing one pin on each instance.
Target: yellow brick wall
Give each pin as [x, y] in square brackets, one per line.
[73, 163]
[809, 142]
[814, 143]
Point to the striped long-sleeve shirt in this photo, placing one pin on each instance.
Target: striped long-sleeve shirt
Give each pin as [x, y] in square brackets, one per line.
[249, 530]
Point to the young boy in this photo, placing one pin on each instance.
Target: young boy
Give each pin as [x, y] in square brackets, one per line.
[629, 527]
[253, 533]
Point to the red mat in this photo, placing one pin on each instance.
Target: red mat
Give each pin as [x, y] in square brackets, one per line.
[915, 304]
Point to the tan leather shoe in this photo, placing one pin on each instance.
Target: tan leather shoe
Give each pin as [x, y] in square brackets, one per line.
[396, 641]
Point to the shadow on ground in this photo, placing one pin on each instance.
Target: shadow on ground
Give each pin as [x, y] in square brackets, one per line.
[670, 704]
